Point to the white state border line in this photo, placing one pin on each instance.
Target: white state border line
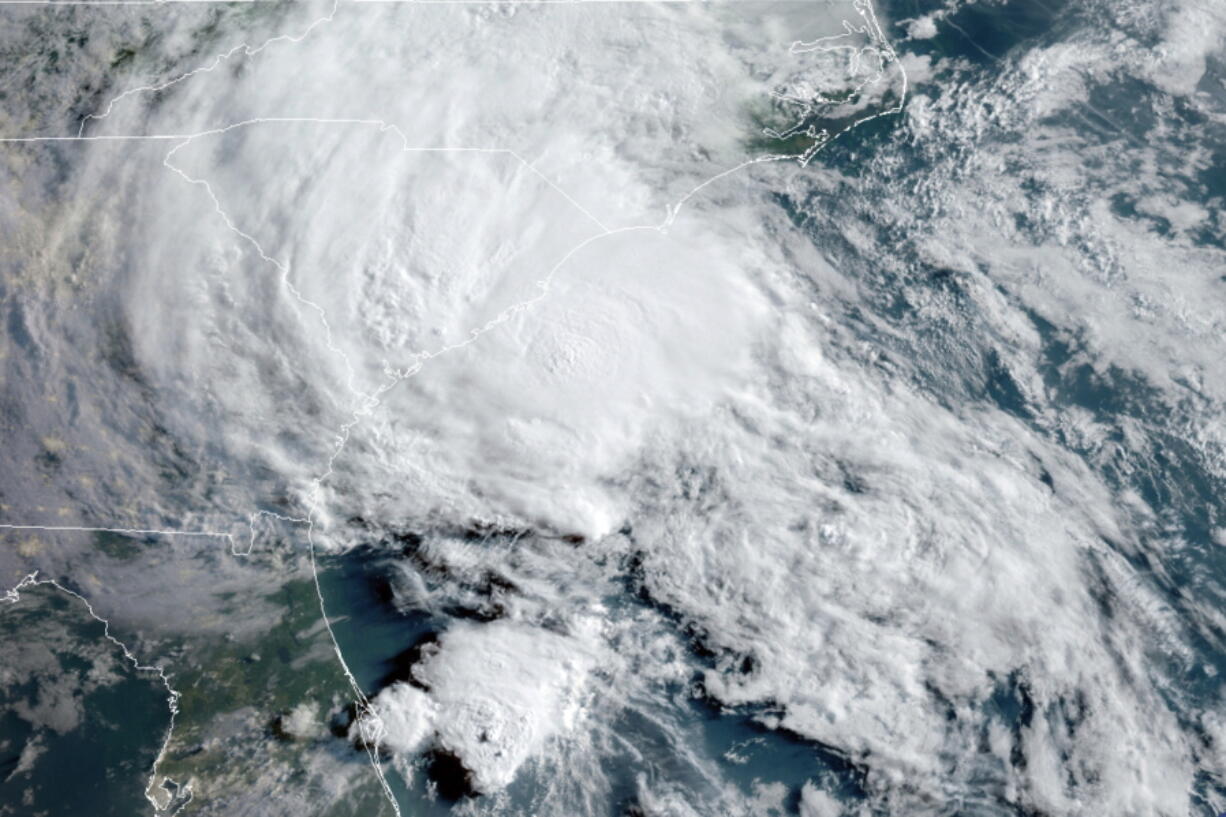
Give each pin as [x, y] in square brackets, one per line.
[197, 534]
[13, 596]
[150, 532]
[400, 2]
[243, 48]
[370, 726]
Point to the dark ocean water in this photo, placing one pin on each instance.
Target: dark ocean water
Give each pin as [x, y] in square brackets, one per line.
[979, 44]
[959, 363]
[380, 644]
[1179, 479]
[101, 765]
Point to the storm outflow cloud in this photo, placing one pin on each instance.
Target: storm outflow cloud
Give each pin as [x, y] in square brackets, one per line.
[766, 407]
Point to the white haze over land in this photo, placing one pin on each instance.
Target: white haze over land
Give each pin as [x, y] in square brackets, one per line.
[447, 270]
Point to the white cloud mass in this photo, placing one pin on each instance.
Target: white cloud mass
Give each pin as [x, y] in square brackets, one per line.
[868, 457]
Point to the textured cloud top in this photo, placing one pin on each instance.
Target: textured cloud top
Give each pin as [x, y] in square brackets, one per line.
[743, 408]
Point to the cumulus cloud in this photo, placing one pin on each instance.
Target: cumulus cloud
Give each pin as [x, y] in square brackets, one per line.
[495, 696]
[810, 453]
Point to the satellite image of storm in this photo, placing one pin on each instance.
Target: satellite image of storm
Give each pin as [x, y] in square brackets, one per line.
[612, 408]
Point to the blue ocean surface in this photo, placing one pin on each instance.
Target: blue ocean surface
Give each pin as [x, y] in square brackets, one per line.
[100, 764]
